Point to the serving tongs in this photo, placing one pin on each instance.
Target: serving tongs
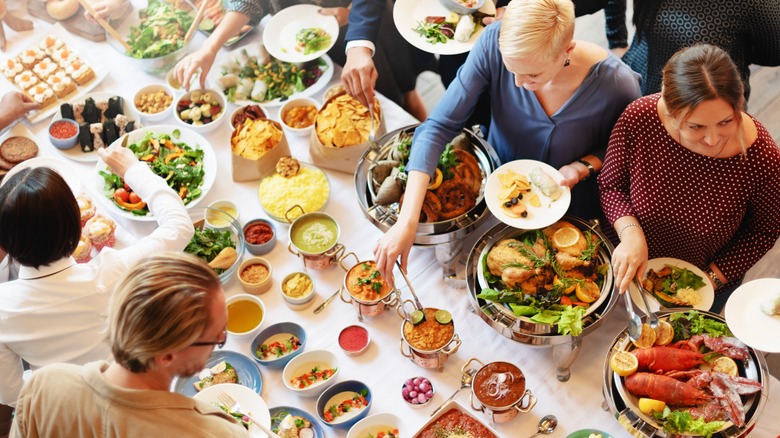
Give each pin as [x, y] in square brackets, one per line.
[634, 323]
[417, 304]
[105, 25]
[651, 316]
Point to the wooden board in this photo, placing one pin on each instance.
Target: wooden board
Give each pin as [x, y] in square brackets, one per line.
[76, 24]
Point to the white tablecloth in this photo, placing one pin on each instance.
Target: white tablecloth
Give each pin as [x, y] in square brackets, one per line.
[576, 403]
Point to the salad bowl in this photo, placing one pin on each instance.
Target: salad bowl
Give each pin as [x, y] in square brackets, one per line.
[208, 241]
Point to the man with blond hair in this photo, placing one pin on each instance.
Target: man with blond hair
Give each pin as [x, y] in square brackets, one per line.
[165, 318]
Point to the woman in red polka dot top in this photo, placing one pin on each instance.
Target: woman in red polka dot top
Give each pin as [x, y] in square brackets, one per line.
[688, 175]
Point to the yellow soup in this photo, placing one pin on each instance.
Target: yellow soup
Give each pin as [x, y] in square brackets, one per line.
[243, 316]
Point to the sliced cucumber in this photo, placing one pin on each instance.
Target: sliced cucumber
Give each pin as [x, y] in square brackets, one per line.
[206, 24]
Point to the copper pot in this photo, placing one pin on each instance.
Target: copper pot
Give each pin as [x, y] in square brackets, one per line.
[424, 348]
[498, 390]
[363, 306]
[315, 260]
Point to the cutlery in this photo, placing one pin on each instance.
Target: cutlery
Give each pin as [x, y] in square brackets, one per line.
[234, 406]
[326, 302]
[547, 424]
[651, 316]
[465, 382]
[195, 22]
[408, 283]
[104, 24]
[634, 323]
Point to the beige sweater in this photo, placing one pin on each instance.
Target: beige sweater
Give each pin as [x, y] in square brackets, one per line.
[64, 400]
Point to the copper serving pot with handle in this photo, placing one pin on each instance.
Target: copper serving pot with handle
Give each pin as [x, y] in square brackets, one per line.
[314, 259]
[365, 305]
[498, 390]
[429, 343]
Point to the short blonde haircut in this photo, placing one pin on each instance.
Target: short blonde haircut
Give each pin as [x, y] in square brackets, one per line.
[161, 306]
[539, 29]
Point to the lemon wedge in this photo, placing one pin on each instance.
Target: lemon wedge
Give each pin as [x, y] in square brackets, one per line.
[623, 363]
[649, 405]
[565, 237]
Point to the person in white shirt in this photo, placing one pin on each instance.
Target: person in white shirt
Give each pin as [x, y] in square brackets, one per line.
[56, 310]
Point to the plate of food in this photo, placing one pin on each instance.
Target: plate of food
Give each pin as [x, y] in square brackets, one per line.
[249, 75]
[431, 27]
[213, 15]
[588, 433]
[290, 422]
[222, 367]
[753, 311]
[248, 400]
[17, 145]
[300, 33]
[185, 159]
[454, 418]
[674, 283]
[527, 194]
[102, 118]
[52, 72]
[281, 197]
[695, 379]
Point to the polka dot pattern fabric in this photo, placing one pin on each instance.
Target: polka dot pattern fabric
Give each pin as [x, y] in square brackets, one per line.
[692, 207]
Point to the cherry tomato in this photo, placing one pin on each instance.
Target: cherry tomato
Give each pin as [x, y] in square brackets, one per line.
[134, 198]
[122, 194]
[127, 187]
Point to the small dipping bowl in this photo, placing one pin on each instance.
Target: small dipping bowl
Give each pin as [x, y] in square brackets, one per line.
[256, 234]
[279, 332]
[338, 393]
[296, 301]
[354, 339]
[416, 387]
[152, 93]
[246, 314]
[300, 103]
[219, 221]
[303, 364]
[64, 133]
[189, 110]
[246, 280]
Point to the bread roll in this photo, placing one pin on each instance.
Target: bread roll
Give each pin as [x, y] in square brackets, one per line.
[62, 9]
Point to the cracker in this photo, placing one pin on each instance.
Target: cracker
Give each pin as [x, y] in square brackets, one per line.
[5, 165]
[18, 149]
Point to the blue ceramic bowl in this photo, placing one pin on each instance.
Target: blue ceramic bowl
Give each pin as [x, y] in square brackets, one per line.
[460, 7]
[64, 143]
[315, 426]
[335, 395]
[247, 371]
[262, 248]
[277, 332]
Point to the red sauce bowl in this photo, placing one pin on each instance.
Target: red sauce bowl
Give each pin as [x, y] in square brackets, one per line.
[260, 236]
[354, 339]
[64, 133]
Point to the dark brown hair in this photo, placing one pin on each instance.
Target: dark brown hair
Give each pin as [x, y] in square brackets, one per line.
[39, 217]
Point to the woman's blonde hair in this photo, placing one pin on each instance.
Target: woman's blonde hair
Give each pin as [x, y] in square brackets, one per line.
[698, 74]
[161, 306]
[536, 29]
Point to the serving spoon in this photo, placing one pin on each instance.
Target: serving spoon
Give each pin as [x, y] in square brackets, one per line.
[547, 424]
[465, 382]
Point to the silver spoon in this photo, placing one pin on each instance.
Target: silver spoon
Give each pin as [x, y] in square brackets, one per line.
[465, 382]
[547, 424]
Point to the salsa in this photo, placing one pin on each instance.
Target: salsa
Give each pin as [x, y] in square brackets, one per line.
[276, 349]
[63, 130]
[315, 375]
[258, 233]
[353, 339]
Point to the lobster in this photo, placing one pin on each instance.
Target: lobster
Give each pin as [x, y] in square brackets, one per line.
[666, 389]
[663, 359]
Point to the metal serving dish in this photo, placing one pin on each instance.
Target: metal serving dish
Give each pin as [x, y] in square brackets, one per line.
[624, 404]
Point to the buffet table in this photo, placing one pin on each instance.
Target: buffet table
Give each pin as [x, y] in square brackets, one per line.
[577, 403]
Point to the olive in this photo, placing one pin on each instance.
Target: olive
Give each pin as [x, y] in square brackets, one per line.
[508, 204]
[524, 214]
[520, 196]
[514, 201]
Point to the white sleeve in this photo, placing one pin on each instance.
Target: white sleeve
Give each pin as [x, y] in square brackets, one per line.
[11, 377]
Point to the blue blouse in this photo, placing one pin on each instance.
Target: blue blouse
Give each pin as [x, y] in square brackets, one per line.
[519, 126]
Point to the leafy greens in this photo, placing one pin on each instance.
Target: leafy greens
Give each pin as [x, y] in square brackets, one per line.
[160, 32]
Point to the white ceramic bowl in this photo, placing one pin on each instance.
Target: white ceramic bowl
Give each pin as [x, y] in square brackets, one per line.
[215, 220]
[374, 424]
[299, 303]
[304, 363]
[255, 288]
[293, 103]
[159, 116]
[246, 297]
[217, 98]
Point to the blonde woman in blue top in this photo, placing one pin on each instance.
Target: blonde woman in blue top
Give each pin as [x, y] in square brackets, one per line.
[553, 99]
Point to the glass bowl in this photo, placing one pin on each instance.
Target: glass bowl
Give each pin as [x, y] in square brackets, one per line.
[236, 235]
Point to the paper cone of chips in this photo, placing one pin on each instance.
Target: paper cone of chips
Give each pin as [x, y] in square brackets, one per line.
[257, 144]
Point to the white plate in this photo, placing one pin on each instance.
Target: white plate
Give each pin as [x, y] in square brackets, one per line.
[75, 153]
[538, 217]
[195, 141]
[279, 34]
[63, 168]
[746, 319]
[100, 73]
[707, 292]
[250, 402]
[253, 50]
[406, 14]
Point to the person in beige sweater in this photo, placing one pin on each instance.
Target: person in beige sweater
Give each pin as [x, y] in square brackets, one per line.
[166, 317]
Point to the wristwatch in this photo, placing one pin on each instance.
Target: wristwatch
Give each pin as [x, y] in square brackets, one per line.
[715, 279]
[591, 169]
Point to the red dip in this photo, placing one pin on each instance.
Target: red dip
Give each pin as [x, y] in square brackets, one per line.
[353, 339]
[258, 233]
[63, 130]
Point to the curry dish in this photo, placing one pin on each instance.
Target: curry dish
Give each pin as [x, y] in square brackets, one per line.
[365, 283]
[429, 335]
[499, 384]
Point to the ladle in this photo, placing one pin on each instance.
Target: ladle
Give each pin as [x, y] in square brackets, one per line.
[465, 382]
[547, 424]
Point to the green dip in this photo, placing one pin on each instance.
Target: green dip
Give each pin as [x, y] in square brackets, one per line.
[314, 234]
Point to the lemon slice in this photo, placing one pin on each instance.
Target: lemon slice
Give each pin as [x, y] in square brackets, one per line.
[664, 333]
[647, 338]
[566, 237]
[443, 317]
[623, 363]
[725, 365]
[649, 405]
[437, 180]
[417, 316]
[587, 291]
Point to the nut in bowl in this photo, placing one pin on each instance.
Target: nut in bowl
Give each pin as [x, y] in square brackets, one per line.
[64, 133]
[255, 275]
[200, 110]
[417, 392]
[344, 404]
[154, 102]
[298, 290]
[276, 345]
[311, 372]
[260, 236]
[298, 115]
[246, 314]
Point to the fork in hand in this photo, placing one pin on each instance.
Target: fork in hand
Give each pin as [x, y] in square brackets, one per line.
[234, 406]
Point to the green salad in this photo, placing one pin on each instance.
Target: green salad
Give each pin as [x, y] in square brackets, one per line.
[161, 31]
[311, 40]
[207, 243]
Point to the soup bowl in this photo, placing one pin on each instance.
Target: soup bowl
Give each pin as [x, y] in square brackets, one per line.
[296, 369]
[367, 291]
[375, 424]
[429, 342]
[246, 314]
[498, 390]
[314, 237]
[358, 394]
[276, 345]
